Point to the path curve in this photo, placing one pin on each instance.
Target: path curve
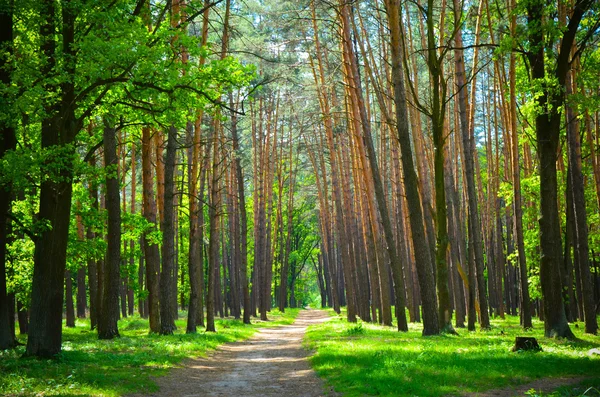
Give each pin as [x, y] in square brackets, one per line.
[271, 363]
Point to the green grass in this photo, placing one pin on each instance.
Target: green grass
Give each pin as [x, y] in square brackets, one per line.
[365, 359]
[90, 367]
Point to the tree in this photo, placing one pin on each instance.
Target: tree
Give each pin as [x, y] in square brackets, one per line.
[469, 152]
[525, 312]
[151, 249]
[167, 278]
[109, 309]
[58, 131]
[422, 257]
[548, 73]
[375, 174]
[8, 142]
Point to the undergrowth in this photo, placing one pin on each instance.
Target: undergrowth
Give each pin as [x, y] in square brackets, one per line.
[91, 367]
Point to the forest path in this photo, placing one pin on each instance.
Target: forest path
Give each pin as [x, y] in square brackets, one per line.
[271, 363]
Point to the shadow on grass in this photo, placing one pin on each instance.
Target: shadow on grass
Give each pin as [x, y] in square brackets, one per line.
[88, 366]
[380, 361]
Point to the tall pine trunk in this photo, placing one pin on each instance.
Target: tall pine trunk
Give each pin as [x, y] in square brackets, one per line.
[578, 195]
[421, 248]
[151, 249]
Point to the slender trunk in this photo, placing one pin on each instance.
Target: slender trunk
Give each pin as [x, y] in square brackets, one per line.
[241, 198]
[421, 249]
[151, 249]
[70, 307]
[525, 312]
[194, 265]
[375, 174]
[92, 262]
[342, 237]
[81, 291]
[469, 151]
[213, 242]
[581, 229]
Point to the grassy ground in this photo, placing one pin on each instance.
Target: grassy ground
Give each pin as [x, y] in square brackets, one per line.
[90, 367]
[364, 359]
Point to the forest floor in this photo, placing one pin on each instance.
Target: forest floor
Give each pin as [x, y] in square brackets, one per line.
[271, 363]
[359, 359]
[130, 364]
[538, 387]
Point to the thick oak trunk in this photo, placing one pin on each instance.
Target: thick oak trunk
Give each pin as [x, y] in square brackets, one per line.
[57, 133]
[7, 142]
[109, 310]
[167, 276]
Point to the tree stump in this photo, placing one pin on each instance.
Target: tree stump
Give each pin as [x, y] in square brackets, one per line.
[525, 343]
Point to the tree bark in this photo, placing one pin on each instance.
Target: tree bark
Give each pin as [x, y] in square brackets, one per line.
[69, 305]
[194, 265]
[151, 249]
[547, 128]
[241, 198]
[525, 312]
[58, 130]
[578, 194]
[375, 173]
[7, 142]
[469, 152]
[421, 249]
[167, 277]
[213, 242]
[109, 311]
[341, 235]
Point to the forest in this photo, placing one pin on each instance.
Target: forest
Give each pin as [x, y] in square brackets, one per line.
[179, 174]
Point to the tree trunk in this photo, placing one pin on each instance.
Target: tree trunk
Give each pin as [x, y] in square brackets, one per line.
[375, 174]
[194, 265]
[23, 317]
[469, 152]
[130, 292]
[341, 235]
[70, 307]
[109, 311]
[581, 229]
[58, 130]
[241, 198]
[525, 312]
[547, 127]
[421, 249]
[167, 277]
[7, 142]
[213, 242]
[151, 249]
[81, 291]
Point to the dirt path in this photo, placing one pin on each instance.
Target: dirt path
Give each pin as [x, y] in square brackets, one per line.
[271, 363]
[545, 385]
